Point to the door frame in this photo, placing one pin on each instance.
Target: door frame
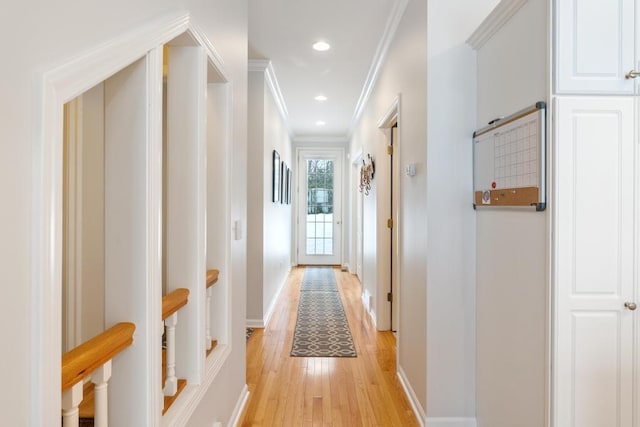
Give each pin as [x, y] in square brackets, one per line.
[388, 257]
[299, 199]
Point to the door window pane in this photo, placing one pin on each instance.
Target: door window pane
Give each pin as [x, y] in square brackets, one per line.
[320, 207]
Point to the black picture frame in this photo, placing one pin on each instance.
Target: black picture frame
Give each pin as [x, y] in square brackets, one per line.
[276, 177]
[289, 185]
[283, 168]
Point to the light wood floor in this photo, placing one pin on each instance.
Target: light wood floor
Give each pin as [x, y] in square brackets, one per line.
[323, 391]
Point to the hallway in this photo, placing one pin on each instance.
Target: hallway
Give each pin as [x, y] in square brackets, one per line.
[297, 391]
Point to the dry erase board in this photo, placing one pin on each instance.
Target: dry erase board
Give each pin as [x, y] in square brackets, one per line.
[509, 160]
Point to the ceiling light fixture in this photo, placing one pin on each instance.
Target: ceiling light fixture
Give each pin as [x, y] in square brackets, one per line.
[320, 98]
[320, 123]
[321, 46]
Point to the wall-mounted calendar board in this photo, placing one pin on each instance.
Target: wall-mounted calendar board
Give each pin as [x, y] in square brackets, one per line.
[509, 160]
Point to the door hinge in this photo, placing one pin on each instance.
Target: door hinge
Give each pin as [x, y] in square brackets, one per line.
[390, 223]
[390, 296]
[390, 150]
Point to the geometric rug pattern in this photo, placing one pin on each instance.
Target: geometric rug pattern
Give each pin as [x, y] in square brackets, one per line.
[321, 329]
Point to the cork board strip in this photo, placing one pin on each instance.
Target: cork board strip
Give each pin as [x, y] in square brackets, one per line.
[525, 196]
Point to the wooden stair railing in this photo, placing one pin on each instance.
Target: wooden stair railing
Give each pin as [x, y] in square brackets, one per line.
[93, 358]
[212, 279]
[171, 303]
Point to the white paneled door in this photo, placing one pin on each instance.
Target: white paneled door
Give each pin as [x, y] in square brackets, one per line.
[320, 207]
[595, 46]
[594, 262]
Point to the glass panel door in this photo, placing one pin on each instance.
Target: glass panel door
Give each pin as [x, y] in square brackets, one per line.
[319, 214]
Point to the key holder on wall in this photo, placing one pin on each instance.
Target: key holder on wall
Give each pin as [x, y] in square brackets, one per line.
[367, 171]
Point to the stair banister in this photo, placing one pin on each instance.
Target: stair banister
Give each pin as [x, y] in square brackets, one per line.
[92, 358]
[171, 303]
[212, 279]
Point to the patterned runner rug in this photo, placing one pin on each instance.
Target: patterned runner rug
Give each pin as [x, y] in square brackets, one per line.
[321, 329]
[319, 279]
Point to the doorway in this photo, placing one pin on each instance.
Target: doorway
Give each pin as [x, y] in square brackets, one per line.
[320, 207]
[389, 193]
[393, 229]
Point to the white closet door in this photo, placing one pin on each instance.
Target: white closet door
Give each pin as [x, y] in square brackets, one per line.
[594, 46]
[594, 262]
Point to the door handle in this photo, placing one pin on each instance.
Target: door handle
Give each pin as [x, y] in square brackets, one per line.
[630, 306]
[632, 74]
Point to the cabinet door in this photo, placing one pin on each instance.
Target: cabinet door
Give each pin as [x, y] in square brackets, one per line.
[594, 262]
[594, 46]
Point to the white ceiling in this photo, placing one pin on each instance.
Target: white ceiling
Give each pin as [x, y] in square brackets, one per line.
[283, 32]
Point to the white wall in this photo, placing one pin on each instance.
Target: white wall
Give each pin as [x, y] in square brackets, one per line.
[430, 69]
[256, 198]
[511, 244]
[277, 216]
[451, 95]
[269, 228]
[50, 34]
[93, 212]
[404, 72]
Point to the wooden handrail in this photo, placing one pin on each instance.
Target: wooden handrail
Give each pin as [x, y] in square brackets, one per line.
[80, 362]
[212, 277]
[174, 302]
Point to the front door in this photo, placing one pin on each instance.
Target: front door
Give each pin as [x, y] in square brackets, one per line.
[319, 209]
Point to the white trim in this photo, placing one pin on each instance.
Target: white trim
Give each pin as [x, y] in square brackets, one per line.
[366, 297]
[264, 322]
[255, 323]
[390, 118]
[411, 396]
[265, 66]
[497, 19]
[451, 422]
[185, 405]
[380, 56]
[258, 65]
[330, 152]
[272, 306]
[239, 408]
[385, 258]
[315, 139]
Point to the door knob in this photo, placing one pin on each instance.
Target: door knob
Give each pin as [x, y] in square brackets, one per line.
[630, 306]
[632, 74]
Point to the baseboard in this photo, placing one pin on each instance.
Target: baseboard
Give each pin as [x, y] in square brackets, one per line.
[254, 323]
[418, 410]
[184, 407]
[262, 323]
[272, 305]
[237, 411]
[451, 422]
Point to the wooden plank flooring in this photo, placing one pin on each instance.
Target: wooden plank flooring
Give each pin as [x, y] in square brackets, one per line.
[323, 391]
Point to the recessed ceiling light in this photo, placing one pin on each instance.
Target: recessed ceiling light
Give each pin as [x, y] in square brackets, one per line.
[320, 98]
[321, 46]
[320, 123]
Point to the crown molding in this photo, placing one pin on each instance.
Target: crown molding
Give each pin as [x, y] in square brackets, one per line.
[381, 54]
[265, 66]
[497, 19]
[315, 139]
[259, 65]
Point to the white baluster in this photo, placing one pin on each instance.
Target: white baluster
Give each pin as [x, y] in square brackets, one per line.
[70, 401]
[171, 384]
[100, 380]
[207, 322]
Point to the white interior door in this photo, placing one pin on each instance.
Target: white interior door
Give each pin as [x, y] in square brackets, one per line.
[594, 262]
[320, 207]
